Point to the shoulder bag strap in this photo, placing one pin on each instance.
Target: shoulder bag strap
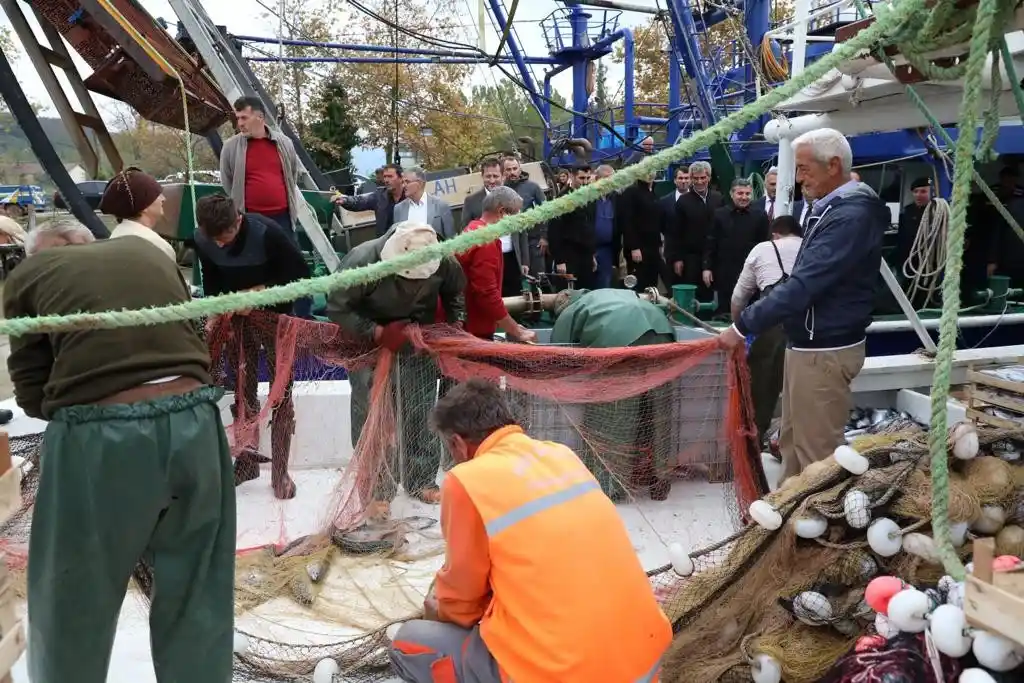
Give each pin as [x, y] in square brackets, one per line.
[778, 257]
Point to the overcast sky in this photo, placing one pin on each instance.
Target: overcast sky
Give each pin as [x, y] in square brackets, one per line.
[246, 17]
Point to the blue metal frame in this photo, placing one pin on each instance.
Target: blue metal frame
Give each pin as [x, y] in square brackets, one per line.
[576, 37]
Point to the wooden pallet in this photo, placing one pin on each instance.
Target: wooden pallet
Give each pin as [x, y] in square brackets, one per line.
[985, 390]
[994, 601]
[12, 632]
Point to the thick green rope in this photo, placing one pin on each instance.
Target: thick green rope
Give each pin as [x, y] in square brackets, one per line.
[900, 24]
[988, 15]
[982, 43]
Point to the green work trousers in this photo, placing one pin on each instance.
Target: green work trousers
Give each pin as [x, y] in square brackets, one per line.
[619, 442]
[415, 461]
[767, 363]
[118, 483]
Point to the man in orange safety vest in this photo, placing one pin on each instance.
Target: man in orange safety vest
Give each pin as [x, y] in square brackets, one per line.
[540, 583]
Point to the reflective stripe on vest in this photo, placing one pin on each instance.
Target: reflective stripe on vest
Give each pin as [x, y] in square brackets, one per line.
[538, 505]
[651, 675]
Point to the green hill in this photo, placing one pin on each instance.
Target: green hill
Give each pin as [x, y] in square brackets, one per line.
[17, 160]
[14, 145]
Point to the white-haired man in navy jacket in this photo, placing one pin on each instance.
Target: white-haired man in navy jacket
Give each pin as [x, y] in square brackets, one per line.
[825, 306]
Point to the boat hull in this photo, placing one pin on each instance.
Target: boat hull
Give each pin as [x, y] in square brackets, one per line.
[888, 343]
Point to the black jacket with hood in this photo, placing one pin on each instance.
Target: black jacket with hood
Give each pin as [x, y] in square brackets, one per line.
[829, 297]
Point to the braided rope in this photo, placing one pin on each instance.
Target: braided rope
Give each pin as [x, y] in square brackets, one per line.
[983, 42]
[899, 24]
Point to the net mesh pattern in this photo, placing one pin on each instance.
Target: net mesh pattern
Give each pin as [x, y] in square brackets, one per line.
[640, 418]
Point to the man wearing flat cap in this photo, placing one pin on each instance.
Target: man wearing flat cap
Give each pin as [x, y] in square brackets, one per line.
[910, 220]
[379, 312]
[136, 200]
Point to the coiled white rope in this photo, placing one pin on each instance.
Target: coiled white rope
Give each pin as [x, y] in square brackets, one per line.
[927, 258]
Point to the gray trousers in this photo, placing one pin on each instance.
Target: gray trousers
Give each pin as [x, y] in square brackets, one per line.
[434, 652]
[537, 265]
[415, 461]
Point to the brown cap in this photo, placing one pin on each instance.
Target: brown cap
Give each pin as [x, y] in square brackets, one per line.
[129, 192]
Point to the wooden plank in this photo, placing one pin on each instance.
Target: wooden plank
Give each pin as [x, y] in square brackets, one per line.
[979, 416]
[989, 606]
[1009, 402]
[909, 75]
[995, 382]
[10, 493]
[994, 610]
[845, 33]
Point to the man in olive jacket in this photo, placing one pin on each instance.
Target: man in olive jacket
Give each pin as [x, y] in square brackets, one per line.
[379, 312]
[606, 319]
[137, 464]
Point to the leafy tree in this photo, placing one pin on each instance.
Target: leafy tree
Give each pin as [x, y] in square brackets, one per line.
[157, 149]
[513, 114]
[330, 133]
[425, 104]
[601, 100]
[652, 53]
[291, 85]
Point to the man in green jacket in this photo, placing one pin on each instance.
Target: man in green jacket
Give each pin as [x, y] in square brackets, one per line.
[379, 312]
[136, 464]
[614, 318]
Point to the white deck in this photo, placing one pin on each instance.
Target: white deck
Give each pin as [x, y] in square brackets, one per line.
[695, 515]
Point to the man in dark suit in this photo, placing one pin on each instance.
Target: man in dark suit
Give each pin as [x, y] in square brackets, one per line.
[684, 245]
[472, 208]
[671, 225]
[767, 202]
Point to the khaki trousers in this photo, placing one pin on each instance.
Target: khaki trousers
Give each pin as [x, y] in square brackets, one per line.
[816, 404]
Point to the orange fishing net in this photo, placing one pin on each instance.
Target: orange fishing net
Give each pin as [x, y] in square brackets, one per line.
[638, 416]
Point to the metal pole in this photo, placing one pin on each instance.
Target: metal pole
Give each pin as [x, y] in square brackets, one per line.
[280, 53]
[21, 109]
[399, 60]
[358, 48]
[235, 79]
[609, 4]
[908, 309]
[787, 160]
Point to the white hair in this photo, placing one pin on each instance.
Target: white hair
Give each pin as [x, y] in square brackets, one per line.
[502, 197]
[700, 167]
[416, 171]
[55, 233]
[827, 144]
[774, 170]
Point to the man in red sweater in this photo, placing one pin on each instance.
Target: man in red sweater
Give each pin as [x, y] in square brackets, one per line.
[262, 173]
[483, 266]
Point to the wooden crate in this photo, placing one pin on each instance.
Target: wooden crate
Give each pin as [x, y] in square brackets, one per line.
[12, 632]
[994, 601]
[984, 390]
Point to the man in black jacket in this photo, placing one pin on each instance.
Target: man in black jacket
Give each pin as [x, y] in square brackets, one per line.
[245, 252]
[735, 231]
[572, 240]
[381, 201]
[684, 246]
[825, 306]
[641, 232]
[472, 208]
[532, 196]
[910, 220]
[607, 232]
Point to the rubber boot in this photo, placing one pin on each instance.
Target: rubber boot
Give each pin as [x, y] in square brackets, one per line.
[247, 464]
[282, 427]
